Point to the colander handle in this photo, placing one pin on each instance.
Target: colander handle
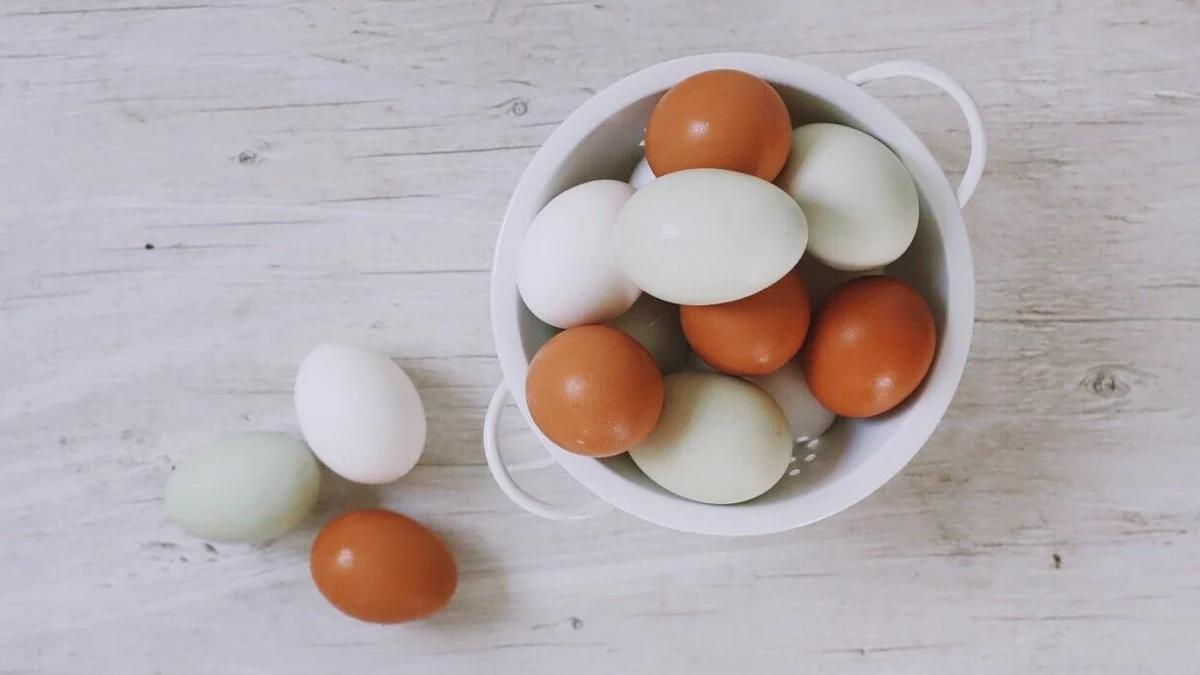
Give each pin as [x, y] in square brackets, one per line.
[503, 476]
[920, 71]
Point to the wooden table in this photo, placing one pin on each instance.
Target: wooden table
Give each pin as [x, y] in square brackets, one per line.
[196, 192]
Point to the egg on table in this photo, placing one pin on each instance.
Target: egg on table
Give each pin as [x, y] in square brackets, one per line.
[567, 273]
[719, 119]
[720, 440]
[807, 417]
[706, 236]
[870, 346]
[382, 567]
[360, 413]
[755, 335]
[244, 487]
[594, 391]
[859, 199]
[655, 324]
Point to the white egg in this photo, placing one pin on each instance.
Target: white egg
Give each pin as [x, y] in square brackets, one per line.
[860, 201]
[243, 487]
[566, 271]
[808, 418]
[360, 413]
[820, 279]
[655, 324]
[720, 440]
[705, 236]
[642, 175]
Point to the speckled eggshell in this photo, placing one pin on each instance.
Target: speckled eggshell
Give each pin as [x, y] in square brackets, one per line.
[720, 440]
[706, 236]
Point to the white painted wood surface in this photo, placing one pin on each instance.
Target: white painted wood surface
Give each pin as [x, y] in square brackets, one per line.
[308, 170]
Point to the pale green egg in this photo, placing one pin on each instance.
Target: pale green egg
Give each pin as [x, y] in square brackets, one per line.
[244, 487]
[719, 440]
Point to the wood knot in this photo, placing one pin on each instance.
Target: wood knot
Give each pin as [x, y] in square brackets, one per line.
[1134, 518]
[1105, 382]
[519, 107]
[248, 157]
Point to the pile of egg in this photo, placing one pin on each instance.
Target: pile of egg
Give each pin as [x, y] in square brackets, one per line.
[701, 251]
[362, 418]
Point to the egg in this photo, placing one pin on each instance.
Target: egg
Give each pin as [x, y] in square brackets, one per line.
[243, 487]
[719, 119]
[566, 271]
[642, 175]
[706, 236]
[721, 440]
[655, 325]
[860, 201]
[594, 391]
[752, 336]
[382, 567]
[870, 347]
[807, 417]
[360, 413]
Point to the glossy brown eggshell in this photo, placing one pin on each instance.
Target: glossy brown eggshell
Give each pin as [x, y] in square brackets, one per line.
[720, 119]
[594, 391]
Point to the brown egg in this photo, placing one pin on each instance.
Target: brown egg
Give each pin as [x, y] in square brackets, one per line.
[379, 566]
[752, 336]
[720, 119]
[594, 391]
[871, 345]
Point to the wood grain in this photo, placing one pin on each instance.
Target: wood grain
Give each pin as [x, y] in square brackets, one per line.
[195, 192]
